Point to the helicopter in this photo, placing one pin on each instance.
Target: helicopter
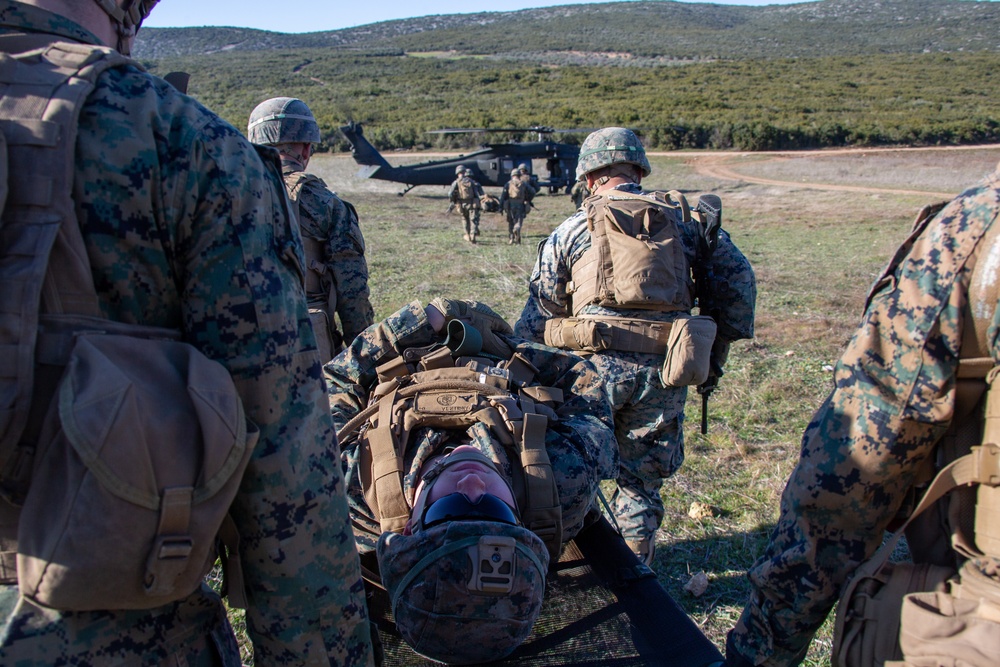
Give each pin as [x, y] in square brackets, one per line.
[490, 165]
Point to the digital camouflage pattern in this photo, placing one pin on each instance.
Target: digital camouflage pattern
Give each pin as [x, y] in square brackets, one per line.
[437, 614]
[471, 207]
[340, 268]
[648, 416]
[892, 400]
[608, 146]
[580, 443]
[515, 198]
[186, 227]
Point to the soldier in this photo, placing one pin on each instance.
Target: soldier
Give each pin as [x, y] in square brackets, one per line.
[914, 368]
[337, 273]
[459, 483]
[578, 193]
[185, 228]
[630, 340]
[467, 194]
[514, 200]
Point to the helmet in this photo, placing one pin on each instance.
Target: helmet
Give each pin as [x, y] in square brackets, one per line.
[608, 146]
[523, 168]
[515, 171]
[282, 120]
[460, 169]
[467, 585]
[464, 591]
[127, 18]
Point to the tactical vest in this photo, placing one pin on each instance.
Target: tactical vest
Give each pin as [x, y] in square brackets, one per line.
[466, 192]
[636, 258]
[436, 390]
[517, 190]
[954, 531]
[73, 424]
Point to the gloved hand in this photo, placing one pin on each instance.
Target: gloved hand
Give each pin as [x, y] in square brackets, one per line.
[720, 352]
[485, 320]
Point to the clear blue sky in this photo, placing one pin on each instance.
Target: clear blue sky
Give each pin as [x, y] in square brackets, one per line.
[316, 15]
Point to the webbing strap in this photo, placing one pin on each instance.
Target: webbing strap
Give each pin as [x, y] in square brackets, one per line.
[387, 470]
[173, 544]
[542, 512]
[596, 334]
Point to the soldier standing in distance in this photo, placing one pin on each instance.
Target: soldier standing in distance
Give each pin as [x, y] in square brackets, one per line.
[186, 227]
[648, 415]
[467, 194]
[898, 389]
[578, 193]
[514, 200]
[336, 270]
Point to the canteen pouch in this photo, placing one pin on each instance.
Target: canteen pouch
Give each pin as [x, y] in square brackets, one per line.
[689, 351]
[866, 630]
[141, 454]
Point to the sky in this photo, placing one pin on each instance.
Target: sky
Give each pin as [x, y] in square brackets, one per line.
[318, 15]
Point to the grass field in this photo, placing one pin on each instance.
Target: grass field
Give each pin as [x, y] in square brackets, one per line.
[815, 252]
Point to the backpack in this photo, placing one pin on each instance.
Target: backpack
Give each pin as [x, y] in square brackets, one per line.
[516, 189]
[438, 390]
[945, 610]
[636, 259]
[121, 447]
[466, 191]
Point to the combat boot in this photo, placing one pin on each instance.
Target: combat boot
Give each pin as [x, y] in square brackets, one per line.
[466, 236]
[644, 549]
[517, 237]
[510, 239]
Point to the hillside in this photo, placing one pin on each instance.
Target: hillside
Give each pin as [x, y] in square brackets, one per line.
[816, 74]
[670, 30]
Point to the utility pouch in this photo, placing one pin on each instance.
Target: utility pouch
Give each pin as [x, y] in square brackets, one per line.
[868, 615]
[573, 333]
[689, 351]
[140, 456]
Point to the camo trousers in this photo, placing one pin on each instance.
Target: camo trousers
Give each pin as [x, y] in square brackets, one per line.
[648, 426]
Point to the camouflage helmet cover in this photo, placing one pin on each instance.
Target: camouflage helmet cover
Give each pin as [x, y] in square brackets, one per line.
[515, 171]
[282, 120]
[608, 146]
[446, 601]
[460, 169]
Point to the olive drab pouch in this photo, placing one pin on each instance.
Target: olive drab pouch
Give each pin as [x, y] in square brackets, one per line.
[139, 459]
[636, 258]
[689, 351]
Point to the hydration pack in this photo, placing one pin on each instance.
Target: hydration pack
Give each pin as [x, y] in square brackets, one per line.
[636, 259]
[466, 191]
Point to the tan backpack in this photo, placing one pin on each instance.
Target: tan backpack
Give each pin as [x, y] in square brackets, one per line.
[465, 190]
[438, 390]
[121, 447]
[636, 259]
[516, 190]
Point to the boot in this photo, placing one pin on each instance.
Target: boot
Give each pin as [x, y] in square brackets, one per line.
[644, 549]
[510, 239]
[466, 236]
[517, 237]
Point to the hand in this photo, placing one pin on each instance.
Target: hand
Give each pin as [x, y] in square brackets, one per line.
[483, 318]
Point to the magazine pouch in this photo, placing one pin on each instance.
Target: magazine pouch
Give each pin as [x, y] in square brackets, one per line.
[140, 457]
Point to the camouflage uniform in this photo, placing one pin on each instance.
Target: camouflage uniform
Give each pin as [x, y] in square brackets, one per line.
[516, 207]
[648, 417]
[186, 228]
[580, 444]
[471, 207]
[335, 256]
[893, 398]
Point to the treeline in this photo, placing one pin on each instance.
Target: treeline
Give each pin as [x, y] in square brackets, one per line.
[643, 30]
[920, 99]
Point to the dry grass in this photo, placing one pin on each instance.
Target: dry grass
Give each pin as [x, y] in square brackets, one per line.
[815, 253]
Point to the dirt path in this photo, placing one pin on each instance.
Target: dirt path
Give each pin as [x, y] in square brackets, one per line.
[716, 165]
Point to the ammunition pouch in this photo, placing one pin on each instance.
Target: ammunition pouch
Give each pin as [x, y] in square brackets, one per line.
[689, 352]
[597, 334]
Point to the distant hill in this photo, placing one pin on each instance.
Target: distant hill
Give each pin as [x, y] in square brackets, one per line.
[642, 30]
[815, 74]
